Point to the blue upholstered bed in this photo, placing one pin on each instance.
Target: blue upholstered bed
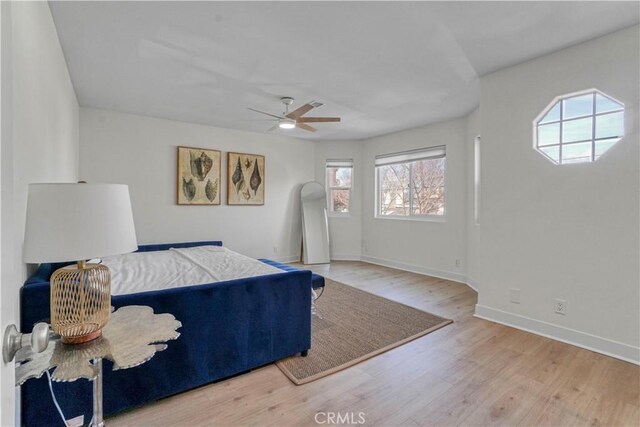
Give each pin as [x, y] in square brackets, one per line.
[227, 328]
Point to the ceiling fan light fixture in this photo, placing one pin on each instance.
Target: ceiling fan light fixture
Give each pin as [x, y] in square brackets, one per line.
[286, 124]
[296, 119]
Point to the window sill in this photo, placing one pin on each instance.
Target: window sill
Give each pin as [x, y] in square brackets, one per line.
[338, 215]
[425, 218]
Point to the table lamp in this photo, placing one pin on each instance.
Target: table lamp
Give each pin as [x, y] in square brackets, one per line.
[78, 222]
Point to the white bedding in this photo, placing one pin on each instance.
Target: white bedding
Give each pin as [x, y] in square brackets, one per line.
[173, 268]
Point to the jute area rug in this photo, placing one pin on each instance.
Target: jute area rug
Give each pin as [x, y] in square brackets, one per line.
[351, 325]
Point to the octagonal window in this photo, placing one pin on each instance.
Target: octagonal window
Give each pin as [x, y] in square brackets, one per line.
[579, 128]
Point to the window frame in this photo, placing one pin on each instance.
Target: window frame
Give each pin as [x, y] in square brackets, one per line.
[338, 164]
[561, 121]
[411, 216]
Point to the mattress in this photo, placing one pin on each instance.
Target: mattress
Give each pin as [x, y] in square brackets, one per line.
[178, 267]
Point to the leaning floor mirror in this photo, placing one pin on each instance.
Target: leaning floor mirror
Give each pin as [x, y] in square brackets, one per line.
[315, 228]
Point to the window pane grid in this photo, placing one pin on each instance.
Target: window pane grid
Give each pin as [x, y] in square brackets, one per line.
[411, 189]
[339, 174]
[567, 134]
[580, 142]
[553, 122]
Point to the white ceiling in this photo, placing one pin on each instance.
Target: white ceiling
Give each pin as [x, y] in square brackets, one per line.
[381, 66]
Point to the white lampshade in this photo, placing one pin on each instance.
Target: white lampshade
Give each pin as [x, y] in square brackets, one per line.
[74, 222]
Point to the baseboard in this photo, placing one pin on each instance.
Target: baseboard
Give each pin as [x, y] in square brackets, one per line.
[337, 257]
[567, 335]
[449, 275]
[472, 284]
[345, 257]
[285, 259]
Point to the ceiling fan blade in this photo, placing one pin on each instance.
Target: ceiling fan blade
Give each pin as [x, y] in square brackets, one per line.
[318, 119]
[298, 112]
[274, 127]
[305, 127]
[262, 112]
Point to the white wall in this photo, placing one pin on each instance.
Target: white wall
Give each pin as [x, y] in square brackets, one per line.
[39, 142]
[345, 232]
[422, 246]
[568, 231]
[141, 152]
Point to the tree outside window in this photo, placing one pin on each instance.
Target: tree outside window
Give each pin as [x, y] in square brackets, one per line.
[412, 187]
[339, 181]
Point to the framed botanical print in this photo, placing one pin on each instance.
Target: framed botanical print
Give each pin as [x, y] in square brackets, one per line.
[245, 179]
[198, 176]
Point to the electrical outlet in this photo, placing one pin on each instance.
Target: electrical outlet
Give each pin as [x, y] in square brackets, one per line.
[457, 263]
[560, 306]
[514, 295]
[275, 249]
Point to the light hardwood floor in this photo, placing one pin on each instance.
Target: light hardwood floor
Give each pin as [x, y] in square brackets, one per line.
[472, 372]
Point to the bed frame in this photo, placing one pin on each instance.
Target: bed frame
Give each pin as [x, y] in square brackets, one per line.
[227, 328]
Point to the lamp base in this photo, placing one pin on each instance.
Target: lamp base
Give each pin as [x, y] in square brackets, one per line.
[80, 302]
[81, 339]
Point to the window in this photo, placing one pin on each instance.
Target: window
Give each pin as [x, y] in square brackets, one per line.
[579, 128]
[339, 182]
[476, 179]
[411, 184]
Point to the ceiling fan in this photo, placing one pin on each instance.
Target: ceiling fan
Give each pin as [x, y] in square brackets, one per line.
[290, 120]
